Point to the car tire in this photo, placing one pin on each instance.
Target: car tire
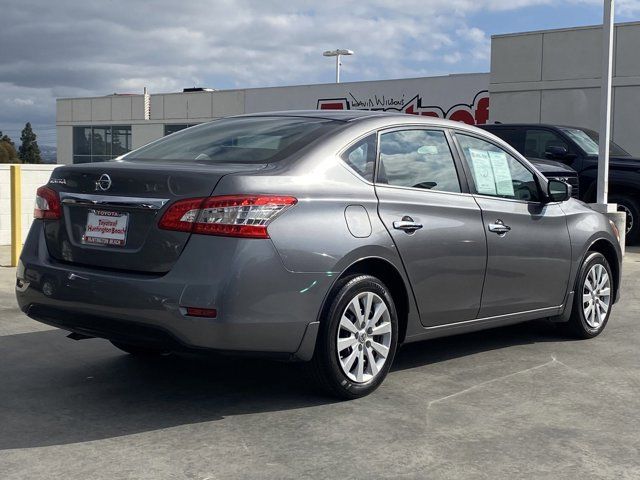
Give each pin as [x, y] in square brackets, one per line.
[140, 351]
[593, 298]
[354, 352]
[631, 207]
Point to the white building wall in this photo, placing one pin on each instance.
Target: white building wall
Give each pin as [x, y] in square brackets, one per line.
[81, 110]
[442, 92]
[33, 176]
[516, 58]
[5, 205]
[64, 137]
[442, 96]
[626, 106]
[228, 102]
[121, 108]
[554, 77]
[571, 105]
[175, 106]
[199, 106]
[514, 107]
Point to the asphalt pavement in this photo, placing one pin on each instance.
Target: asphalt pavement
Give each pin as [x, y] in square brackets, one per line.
[516, 402]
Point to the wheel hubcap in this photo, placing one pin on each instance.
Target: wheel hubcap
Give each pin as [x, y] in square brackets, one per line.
[364, 337]
[596, 295]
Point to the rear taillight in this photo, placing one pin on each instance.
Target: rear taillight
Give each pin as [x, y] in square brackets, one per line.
[47, 204]
[229, 215]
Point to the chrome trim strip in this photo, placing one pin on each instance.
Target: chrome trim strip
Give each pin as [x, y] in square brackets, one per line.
[81, 199]
[497, 317]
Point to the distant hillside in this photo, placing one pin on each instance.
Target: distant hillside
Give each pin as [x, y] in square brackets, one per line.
[48, 153]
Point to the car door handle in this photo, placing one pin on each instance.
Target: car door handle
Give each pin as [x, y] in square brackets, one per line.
[407, 224]
[499, 227]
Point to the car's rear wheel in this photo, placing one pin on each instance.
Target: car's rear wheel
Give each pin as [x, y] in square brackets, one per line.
[593, 297]
[140, 351]
[631, 207]
[357, 339]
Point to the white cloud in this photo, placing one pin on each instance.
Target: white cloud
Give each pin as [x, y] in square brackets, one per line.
[452, 58]
[74, 48]
[20, 102]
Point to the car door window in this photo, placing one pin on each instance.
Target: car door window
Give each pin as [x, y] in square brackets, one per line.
[362, 157]
[536, 142]
[496, 173]
[417, 158]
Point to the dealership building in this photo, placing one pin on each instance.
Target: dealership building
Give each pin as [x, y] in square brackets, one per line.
[550, 76]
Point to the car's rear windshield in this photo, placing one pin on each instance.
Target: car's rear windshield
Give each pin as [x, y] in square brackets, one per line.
[237, 140]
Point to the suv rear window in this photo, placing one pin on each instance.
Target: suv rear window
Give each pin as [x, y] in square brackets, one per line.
[237, 140]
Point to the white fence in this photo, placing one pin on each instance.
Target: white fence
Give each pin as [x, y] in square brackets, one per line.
[33, 176]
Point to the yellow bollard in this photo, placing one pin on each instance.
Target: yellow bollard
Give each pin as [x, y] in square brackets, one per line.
[16, 215]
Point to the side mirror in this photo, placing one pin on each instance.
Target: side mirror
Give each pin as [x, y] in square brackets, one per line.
[558, 191]
[556, 151]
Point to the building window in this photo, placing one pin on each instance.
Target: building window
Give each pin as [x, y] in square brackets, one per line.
[176, 127]
[99, 144]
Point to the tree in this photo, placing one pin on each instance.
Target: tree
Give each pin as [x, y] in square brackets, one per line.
[6, 138]
[8, 153]
[7, 150]
[29, 151]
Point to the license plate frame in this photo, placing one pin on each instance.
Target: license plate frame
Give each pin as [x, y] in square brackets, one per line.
[106, 228]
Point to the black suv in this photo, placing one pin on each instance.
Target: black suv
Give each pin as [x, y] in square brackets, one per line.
[577, 147]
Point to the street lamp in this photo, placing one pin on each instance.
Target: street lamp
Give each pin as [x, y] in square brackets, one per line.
[337, 53]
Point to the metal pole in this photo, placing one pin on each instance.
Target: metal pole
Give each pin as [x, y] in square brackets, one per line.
[338, 68]
[16, 214]
[605, 102]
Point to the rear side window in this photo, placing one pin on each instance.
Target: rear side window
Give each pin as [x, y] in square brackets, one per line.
[362, 157]
[496, 173]
[538, 141]
[237, 140]
[417, 159]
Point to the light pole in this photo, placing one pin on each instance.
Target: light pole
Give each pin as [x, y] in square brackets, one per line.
[337, 53]
[605, 102]
[602, 197]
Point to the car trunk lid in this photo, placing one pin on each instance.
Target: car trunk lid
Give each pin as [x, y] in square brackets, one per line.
[110, 212]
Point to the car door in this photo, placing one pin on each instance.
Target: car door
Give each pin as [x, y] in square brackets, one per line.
[528, 245]
[435, 225]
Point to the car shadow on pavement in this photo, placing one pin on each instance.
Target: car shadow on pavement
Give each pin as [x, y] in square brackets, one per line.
[440, 349]
[55, 391]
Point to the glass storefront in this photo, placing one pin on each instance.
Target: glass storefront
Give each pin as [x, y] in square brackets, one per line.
[99, 144]
[176, 127]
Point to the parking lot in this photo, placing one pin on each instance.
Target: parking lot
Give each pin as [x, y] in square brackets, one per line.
[518, 402]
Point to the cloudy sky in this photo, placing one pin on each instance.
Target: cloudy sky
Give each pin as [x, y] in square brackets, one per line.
[63, 48]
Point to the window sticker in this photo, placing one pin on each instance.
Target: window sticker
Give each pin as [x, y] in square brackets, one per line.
[501, 174]
[483, 173]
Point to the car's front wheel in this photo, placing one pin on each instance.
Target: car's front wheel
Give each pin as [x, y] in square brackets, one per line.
[357, 339]
[593, 297]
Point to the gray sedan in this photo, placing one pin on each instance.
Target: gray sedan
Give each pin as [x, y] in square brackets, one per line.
[326, 237]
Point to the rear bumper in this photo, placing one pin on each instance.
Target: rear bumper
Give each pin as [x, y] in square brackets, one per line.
[262, 307]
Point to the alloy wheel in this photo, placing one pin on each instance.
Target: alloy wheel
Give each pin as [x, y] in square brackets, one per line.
[596, 296]
[364, 337]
